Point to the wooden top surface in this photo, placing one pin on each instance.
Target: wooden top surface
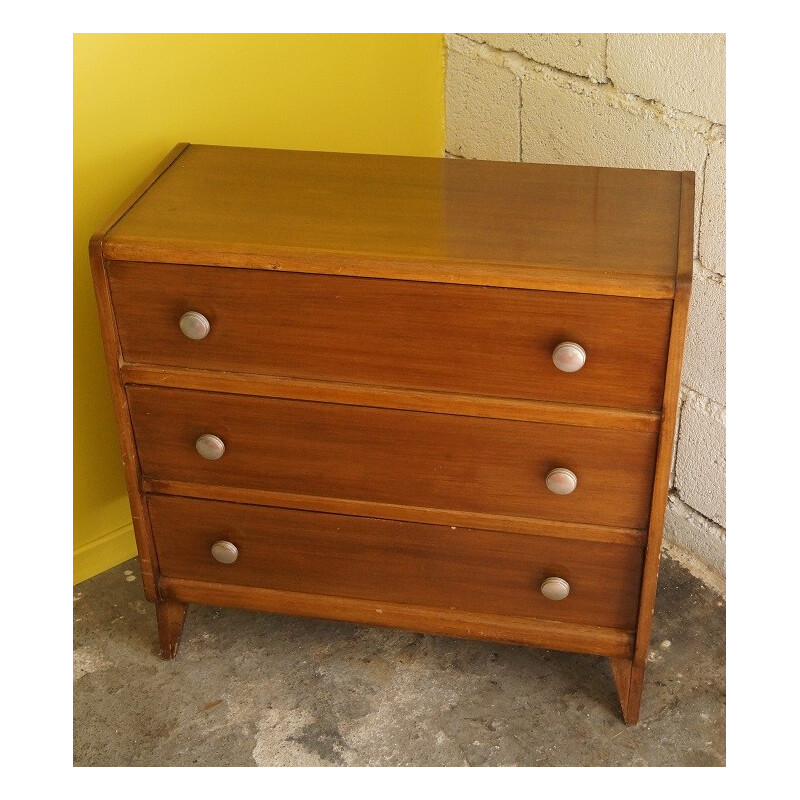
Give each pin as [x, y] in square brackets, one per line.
[569, 228]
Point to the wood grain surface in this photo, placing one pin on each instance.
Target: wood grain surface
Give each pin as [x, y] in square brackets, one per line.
[383, 455]
[397, 562]
[352, 394]
[171, 616]
[666, 441]
[113, 357]
[468, 339]
[573, 637]
[433, 516]
[586, 229]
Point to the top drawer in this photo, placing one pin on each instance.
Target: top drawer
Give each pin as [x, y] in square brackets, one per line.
[407, 334]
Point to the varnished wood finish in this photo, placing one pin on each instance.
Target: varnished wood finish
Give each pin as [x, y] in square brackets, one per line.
[669, 417]
[583, 229]
[100, 237]
[398, 562]
[621, 670]
[432, 460]
[465, 274]
[410, 335]
[379, 368]
[632, 709]
[440, 621]
[629, 680]
[111, 348]
[432, 516]
[171, 615]
[380, 397]
[629, 673]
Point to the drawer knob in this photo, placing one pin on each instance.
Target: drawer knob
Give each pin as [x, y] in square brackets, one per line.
[561, 481]
[210, 446]
[569, 356]
[194, 325]
[554, 588]
[225, 552]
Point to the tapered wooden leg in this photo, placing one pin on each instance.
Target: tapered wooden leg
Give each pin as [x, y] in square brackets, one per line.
[170, 615]
[629, 680]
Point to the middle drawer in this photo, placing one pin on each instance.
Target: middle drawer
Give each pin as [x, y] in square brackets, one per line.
[382, 455]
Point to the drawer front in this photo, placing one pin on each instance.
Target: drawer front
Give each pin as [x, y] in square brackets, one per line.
[466, 339]
[383, 560]
[402, 457]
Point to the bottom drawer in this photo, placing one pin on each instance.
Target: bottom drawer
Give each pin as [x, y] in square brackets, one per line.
[398, 562]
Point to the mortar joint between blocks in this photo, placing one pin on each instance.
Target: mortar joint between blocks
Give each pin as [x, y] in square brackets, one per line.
[525, 68]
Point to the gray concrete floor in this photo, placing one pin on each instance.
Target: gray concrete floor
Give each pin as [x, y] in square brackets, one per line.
[253, 689]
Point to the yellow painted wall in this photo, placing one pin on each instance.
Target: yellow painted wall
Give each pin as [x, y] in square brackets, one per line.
[136, 95]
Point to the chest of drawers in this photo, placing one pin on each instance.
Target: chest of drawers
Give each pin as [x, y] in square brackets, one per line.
[425, 393]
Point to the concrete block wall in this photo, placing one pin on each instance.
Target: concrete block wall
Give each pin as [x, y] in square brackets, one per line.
[641, 100]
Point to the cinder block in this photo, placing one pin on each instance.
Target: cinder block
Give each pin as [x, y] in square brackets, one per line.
[578, 53]
[563, 126]
[704, 356]
[482, 109]
[712, 221]
[700, 460]
[694, 533]
[685, 71]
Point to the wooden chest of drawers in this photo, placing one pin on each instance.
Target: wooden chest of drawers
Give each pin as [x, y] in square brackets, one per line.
[432, 394]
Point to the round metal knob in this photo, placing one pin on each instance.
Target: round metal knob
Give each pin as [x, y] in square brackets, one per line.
[194, 325]
[210, 446]
[554, 588]
[225, 552]
[569, 356]
[561, 481]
